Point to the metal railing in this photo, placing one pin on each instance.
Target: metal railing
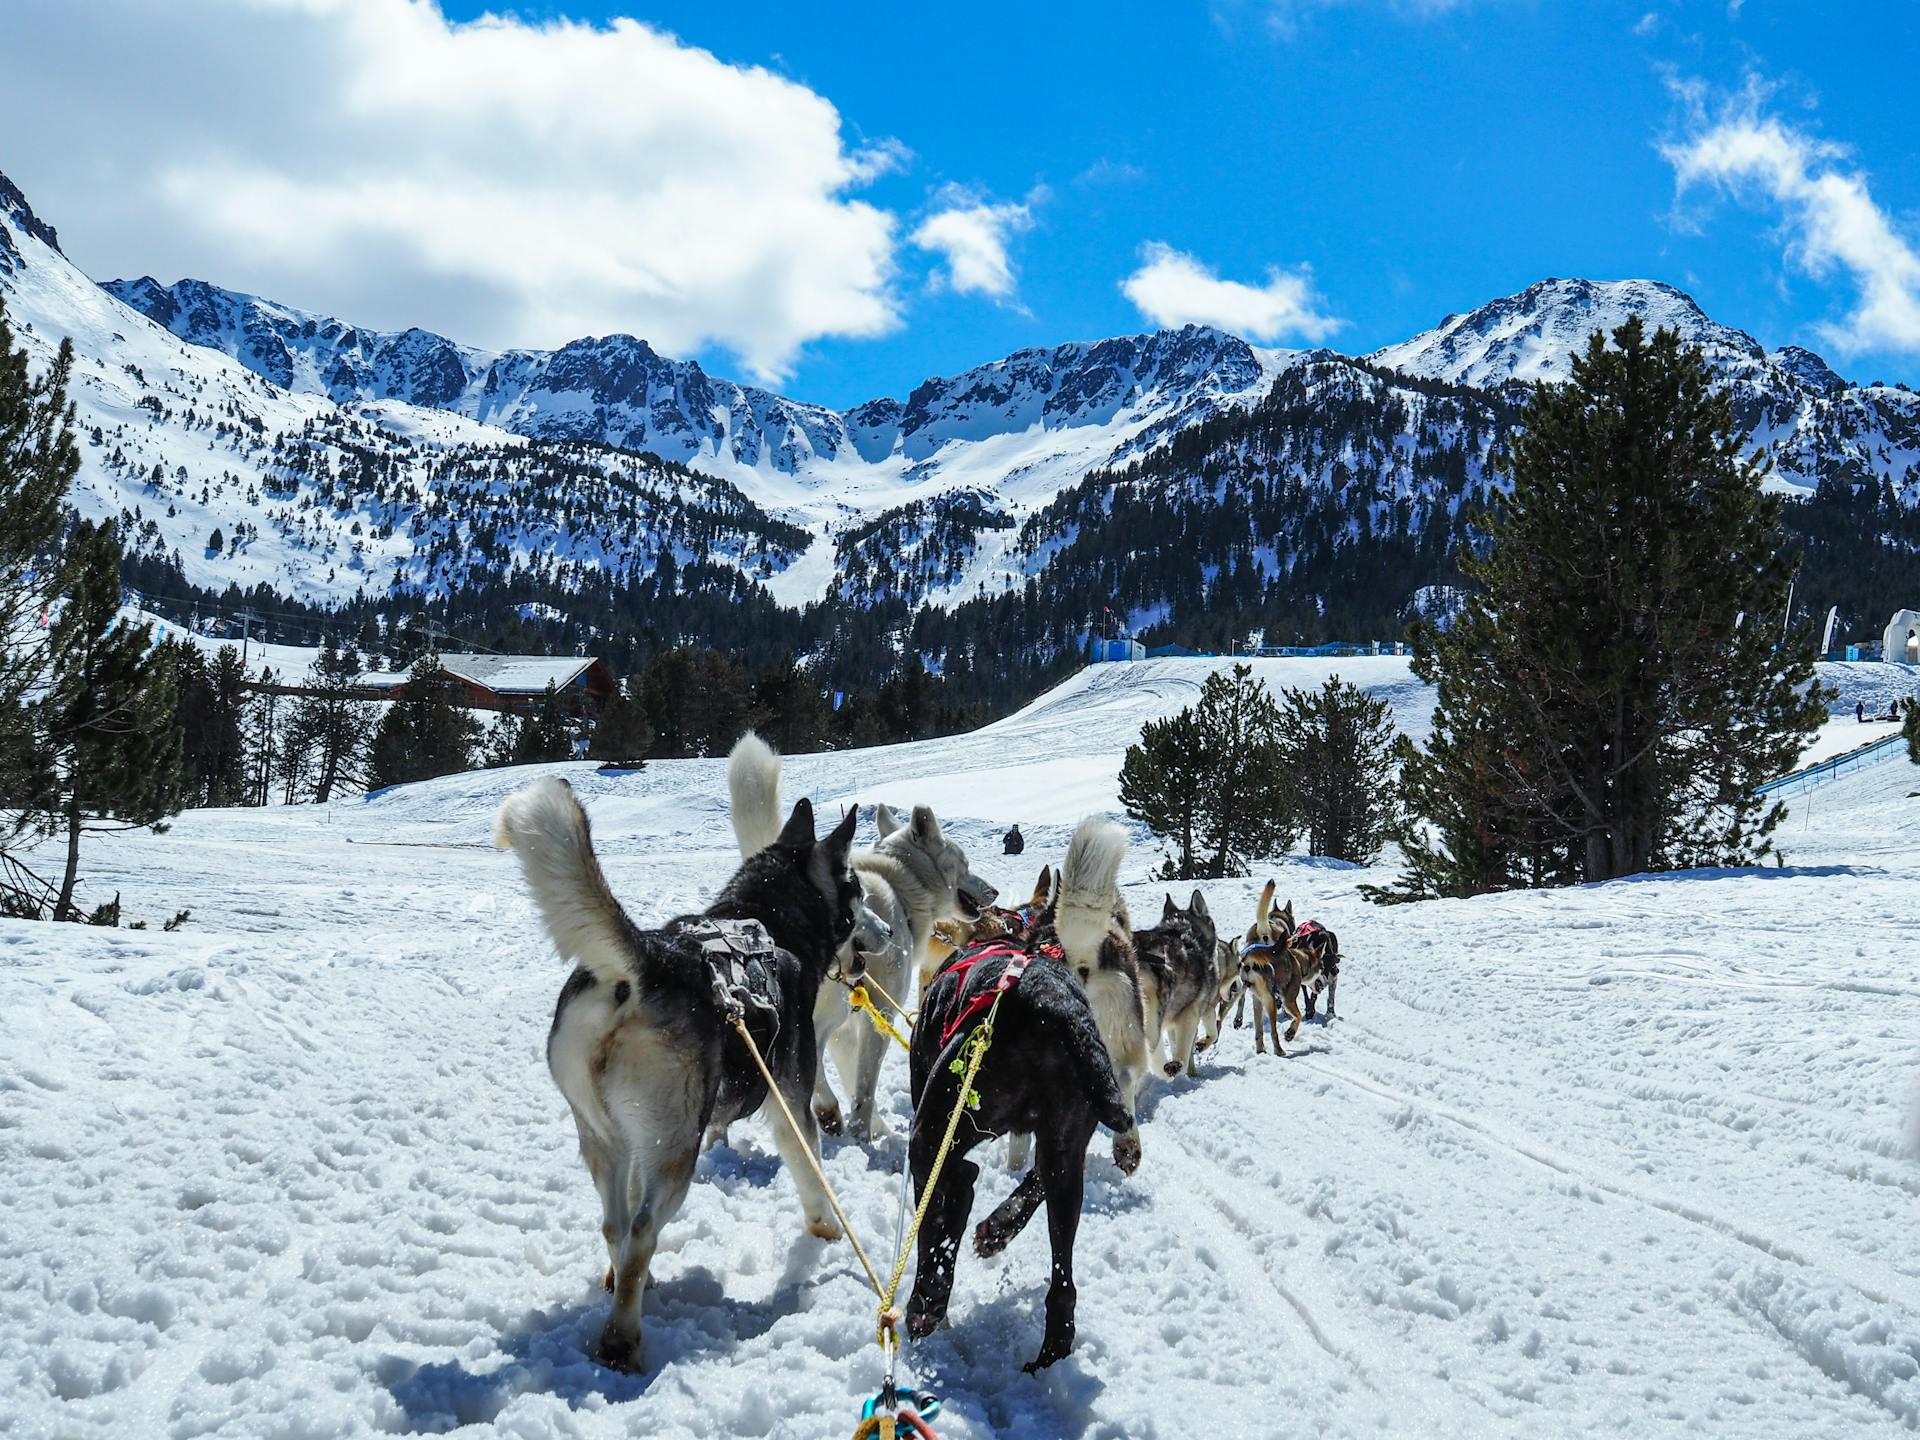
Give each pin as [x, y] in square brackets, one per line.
[1887, 747]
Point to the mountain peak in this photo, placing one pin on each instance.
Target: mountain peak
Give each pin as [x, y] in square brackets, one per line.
[13, 202]
[1530, 335]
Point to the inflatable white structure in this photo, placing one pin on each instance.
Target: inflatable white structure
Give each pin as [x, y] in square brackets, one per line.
[1902, 639]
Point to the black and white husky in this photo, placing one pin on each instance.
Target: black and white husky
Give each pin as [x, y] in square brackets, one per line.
[641, 1044]
[912, 878]
[1178, 980]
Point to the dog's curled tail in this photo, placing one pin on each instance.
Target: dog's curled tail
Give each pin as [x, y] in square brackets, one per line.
[1088, 887]
[753, 790]
[545, 828]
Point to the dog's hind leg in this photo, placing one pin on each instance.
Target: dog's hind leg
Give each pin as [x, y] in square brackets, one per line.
[1183, 1028]
[1290, 997]
[1063, 1171]
[993, 1234]
[940, 1235]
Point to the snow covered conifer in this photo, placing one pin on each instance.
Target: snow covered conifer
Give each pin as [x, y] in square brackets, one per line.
[1618, 681]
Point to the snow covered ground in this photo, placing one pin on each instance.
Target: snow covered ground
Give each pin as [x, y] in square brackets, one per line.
[1633, 1158]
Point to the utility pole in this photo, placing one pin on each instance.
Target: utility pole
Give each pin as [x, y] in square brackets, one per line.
[246, 635]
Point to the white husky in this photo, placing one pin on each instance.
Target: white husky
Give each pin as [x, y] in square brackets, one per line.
[913, 878]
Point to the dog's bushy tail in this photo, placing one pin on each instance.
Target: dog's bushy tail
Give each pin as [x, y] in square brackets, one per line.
[1088, 887]
[545, 828]
[753, 788]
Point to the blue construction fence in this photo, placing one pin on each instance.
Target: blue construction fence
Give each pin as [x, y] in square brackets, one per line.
[1101, 650]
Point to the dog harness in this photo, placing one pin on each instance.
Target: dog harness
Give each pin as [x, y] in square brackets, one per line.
[1018, 957]
[728, 947]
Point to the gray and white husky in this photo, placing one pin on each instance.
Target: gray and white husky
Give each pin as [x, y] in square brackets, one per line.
[912, 878]
[642, 1043]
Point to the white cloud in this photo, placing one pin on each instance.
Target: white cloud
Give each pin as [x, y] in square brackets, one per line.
[971, 235]
[1826, 207]
[1172, 288]
[508, 181]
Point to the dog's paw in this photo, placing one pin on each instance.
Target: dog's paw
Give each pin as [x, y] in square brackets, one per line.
[825, 1229]
[620, 1352]
[1171, 1068]
[1126, 1152]
[829, 1118]
[921, 1321]
[1238, 1022]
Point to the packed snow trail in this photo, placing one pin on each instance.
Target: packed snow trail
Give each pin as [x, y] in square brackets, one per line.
[1626, 1159]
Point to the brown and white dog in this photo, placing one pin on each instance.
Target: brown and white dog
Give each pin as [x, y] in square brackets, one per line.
[1277, 962]
[994, 922]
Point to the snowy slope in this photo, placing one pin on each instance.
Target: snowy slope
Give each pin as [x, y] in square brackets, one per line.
[1629, 1159]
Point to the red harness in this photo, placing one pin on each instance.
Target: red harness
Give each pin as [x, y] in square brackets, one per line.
[1306, 930]
[1018, 957]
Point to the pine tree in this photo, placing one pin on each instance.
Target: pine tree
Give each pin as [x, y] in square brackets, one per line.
[330, 727]
[1162, 781]
[1212, 780]
[107, 716]
[1337, 743]
[264, 720]
[546, 734]
[1910, 728]
[427, 731]
[38, 460]
[621, 735]
[1617, 683]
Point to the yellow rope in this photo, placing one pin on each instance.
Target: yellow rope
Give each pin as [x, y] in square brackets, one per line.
[825, 1184]
[977, 1044]
[858, 999]
[898, 1009]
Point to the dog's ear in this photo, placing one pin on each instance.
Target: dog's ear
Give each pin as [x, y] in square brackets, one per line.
[840, 839]
[798, 831]
[926, 829]
[885, 821]
[1198, 905]
[1043, 887]
[1169, 910]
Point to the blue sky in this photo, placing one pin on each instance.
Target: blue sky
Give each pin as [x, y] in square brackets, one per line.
[1355, 168]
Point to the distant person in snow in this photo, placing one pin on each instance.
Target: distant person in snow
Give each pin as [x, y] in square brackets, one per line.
[1015, 842]
[1860, 711]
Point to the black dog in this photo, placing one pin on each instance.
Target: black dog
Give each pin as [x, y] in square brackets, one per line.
[642, 1043]
[1046, 1073]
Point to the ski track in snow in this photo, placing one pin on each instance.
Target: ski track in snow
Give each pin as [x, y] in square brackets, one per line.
[1630, 1159]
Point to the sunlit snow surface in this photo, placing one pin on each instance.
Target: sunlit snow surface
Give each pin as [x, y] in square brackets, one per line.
[1628, 1159]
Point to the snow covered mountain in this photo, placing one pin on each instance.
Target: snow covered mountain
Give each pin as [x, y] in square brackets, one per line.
[335, 452]
[322, 499]
[1809, 421]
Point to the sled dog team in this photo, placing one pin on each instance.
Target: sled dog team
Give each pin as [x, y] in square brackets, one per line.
[644, 1044]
